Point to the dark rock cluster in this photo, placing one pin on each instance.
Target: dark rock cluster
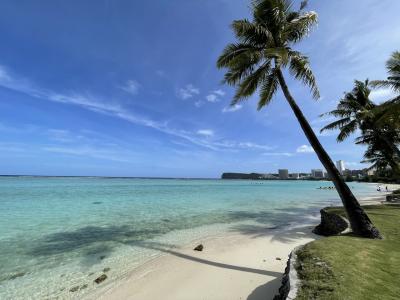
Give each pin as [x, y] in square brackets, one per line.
[100, 278]
[199, 248]
[331, 224]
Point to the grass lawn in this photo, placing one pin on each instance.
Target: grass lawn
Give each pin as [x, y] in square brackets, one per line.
[348, 267]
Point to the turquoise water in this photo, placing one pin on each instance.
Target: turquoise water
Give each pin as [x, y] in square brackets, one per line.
[57, 233]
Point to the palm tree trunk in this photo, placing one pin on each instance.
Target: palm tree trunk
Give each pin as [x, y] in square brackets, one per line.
[359, 220]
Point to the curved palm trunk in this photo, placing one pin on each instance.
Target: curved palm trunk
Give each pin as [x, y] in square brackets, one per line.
[359, 220]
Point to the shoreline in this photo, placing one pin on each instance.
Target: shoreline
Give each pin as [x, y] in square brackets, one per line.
[232, 266]
[235, 265]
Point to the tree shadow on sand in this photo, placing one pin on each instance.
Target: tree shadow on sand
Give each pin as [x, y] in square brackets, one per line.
[91, 242]
[166, 248]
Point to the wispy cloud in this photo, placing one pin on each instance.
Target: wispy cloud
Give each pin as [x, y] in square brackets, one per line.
[212, 98]
[233, 108]
[12, 147]
[205, 132]
[91, 152]
[188, 92]
[114, 109]
[199, 103]
[131, 87]
[305, 149]
[278, 154]
[220, 93]
[215, 96]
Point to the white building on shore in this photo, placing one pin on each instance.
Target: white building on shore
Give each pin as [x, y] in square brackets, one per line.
[340, 166]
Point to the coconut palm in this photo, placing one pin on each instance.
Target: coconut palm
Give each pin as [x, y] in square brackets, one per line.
[256, 61]
[357, 111]
[351, 111]
[393, 80]
[382, 149]
[389, 111]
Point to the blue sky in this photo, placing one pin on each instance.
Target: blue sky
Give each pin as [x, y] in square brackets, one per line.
[130, 88]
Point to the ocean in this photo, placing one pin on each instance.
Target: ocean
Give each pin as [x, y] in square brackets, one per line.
[60, 232]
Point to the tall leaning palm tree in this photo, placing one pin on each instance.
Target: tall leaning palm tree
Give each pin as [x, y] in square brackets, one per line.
[256, 61]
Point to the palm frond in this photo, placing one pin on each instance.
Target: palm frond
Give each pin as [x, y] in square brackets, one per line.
[252, 33]
[300, 68]
[300, 27]
[233, 51]
[347, 130]
[249, 85]
[336, 124]
[268, 89]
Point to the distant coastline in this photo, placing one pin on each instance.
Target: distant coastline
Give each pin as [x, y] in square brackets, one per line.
[259, 176]
[109, 177]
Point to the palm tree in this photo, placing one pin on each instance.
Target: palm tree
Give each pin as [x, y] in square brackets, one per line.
[357, 111]
[393, 81]
[389, 111]
[381, 151]
[256, 61]
[351, 111]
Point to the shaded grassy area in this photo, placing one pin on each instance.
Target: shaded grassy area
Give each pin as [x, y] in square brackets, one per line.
[349, 267]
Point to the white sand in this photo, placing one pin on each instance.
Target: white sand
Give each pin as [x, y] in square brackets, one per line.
[236, 266]
[232, 267]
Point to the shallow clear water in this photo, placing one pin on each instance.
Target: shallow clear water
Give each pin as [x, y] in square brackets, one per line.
[57, 233]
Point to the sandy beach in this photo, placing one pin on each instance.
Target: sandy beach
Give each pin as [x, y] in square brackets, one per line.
[248, 265]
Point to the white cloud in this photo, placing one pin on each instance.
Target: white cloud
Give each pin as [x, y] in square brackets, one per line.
[233, 108]
[212, 98]
[205, 132]
[254, 146]
[114, 109]
[219, 93]
[131, 87]
[380, 95]
[305, 149]
[278, 154]
[188, 92]
[215, 96]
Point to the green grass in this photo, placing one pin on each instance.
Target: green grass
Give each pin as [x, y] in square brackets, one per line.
[349, 267]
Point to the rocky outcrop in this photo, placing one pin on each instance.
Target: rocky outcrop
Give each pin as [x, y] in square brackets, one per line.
[288, 289]
[331, 224]
[100, 278]
[199, 248]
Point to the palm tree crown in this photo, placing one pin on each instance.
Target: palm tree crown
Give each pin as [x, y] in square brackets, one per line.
[352, 111]
[264, 47]
[388, 112]
[393, 80]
